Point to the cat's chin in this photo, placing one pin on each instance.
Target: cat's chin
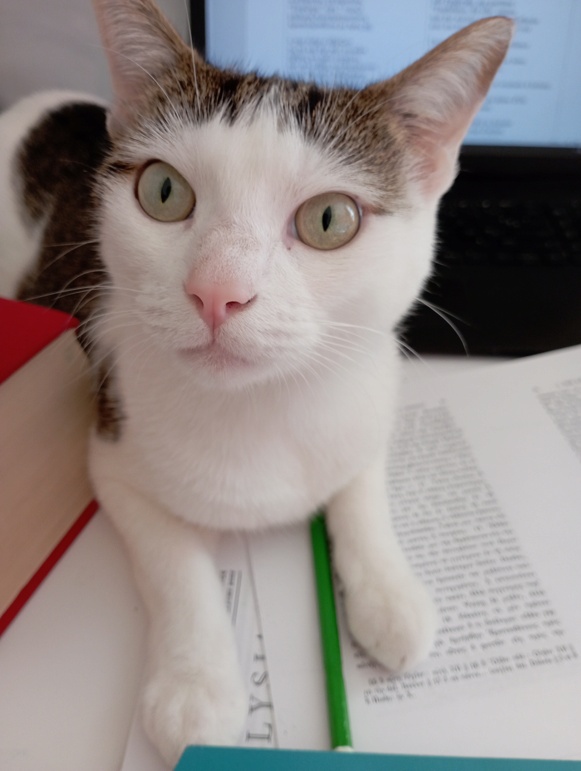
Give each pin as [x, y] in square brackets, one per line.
[216, 356]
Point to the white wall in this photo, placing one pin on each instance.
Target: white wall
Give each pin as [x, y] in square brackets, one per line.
[54, 44]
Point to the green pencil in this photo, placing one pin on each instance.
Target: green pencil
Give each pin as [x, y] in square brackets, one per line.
[336, 695]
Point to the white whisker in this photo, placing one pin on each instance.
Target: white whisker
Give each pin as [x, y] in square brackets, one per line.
[445, 316]
[71, 248]
[344, 325]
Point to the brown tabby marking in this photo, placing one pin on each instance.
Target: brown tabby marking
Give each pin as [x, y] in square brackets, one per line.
[58, 162]
[110, 415]
[344, 123]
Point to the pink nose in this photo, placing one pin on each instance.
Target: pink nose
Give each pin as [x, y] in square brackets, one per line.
[217, 302]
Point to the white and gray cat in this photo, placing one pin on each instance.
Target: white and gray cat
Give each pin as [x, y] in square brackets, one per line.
[239, 250]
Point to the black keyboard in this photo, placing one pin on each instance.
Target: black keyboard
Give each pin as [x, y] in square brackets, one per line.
[507, 272]
[510, 232]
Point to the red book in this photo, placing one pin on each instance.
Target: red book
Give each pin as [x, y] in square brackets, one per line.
[45, 414]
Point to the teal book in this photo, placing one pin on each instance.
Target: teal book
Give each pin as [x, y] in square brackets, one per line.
[229, 758]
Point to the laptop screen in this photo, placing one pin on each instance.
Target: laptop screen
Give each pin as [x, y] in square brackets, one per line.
[535, 100]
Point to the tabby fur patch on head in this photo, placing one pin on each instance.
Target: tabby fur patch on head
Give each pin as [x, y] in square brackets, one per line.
[175, 81]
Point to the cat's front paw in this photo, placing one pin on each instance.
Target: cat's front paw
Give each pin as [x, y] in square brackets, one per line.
[193, 707]
[394, 620]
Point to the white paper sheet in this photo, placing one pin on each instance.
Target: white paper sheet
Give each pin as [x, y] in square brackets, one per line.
[486, 497]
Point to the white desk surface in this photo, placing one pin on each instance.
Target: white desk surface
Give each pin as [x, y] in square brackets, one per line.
[71, 661]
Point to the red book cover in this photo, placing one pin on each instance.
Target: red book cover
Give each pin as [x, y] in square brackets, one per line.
[25, 330]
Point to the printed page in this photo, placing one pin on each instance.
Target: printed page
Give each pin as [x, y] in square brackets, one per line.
[285, 589]
[485, 490]
[239, 594]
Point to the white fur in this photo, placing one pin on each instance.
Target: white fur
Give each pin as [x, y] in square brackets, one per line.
[286, 408]
[259, 434]
[221, 448]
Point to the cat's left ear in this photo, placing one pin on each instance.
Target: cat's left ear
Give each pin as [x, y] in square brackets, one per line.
[435, 99]
[141, 46]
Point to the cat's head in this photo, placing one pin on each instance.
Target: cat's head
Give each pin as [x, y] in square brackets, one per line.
[258, 227]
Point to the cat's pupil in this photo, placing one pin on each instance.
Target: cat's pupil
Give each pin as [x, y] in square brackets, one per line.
[165, 189]
[327, 217]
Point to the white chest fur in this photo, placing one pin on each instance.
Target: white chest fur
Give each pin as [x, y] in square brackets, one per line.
[250, 458]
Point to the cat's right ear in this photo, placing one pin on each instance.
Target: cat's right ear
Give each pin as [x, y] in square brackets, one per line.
[141, 46]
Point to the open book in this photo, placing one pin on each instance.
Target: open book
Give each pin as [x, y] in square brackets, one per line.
[485, 488]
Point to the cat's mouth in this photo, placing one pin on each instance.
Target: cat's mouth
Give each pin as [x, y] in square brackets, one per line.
[215, 355]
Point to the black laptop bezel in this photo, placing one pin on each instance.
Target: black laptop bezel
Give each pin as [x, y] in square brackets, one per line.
[198, 25]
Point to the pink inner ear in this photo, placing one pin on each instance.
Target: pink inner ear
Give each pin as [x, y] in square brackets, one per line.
[436, 150]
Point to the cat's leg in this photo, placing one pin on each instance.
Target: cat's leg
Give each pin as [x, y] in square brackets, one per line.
[193, 691]
[388, 609]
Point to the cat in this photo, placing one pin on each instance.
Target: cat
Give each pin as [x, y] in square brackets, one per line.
[239, 250]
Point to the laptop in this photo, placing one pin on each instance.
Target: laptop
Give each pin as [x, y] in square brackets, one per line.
[507, 278]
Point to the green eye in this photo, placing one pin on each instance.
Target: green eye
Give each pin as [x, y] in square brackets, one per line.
[327, 221]
[164, 194]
